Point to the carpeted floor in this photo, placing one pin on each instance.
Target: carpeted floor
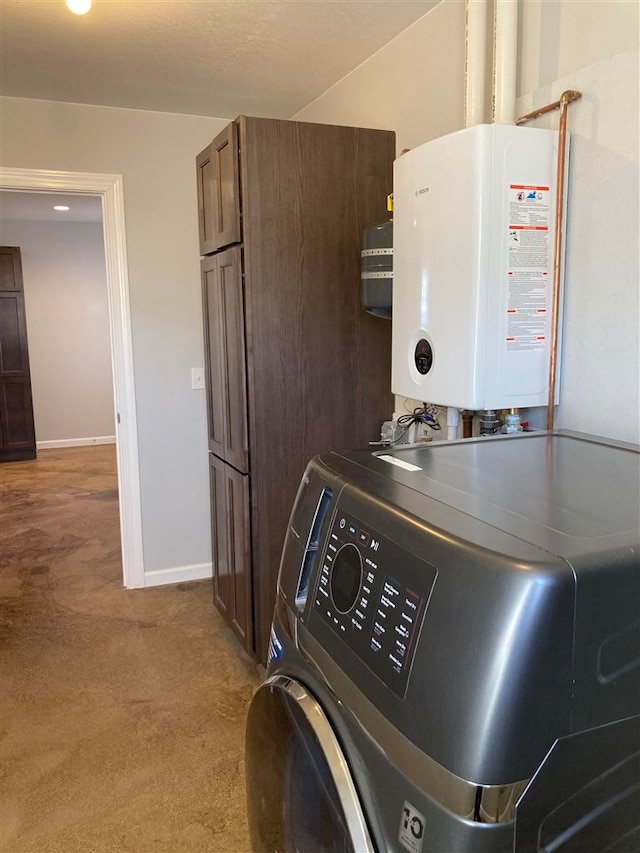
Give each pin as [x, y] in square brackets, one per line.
[122, 711]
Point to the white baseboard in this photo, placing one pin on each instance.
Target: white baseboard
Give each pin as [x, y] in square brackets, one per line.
[75, 442]
[180, 574]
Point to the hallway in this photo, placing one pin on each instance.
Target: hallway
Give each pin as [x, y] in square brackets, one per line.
[122, 710]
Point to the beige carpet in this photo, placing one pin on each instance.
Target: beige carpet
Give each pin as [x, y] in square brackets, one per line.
[122, 711]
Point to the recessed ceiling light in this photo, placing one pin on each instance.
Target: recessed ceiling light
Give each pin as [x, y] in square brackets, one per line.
[60, 207]
[79, 7]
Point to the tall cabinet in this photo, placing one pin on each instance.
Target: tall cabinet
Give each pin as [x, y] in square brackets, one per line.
[294, 365]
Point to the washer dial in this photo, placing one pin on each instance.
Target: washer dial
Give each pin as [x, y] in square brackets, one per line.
[346, 577]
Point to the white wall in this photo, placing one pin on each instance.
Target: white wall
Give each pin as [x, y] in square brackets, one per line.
[414, 86]
[68, 328]
[592, 46]
[155, 153]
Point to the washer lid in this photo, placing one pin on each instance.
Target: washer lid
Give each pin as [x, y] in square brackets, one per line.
[568, 493]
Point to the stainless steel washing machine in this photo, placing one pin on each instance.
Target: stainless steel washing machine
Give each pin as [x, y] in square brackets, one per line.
[455, 654]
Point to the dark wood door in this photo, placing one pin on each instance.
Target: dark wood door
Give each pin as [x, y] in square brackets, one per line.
[225, 368]
[219, 192]
[17, 432]
[230, 546]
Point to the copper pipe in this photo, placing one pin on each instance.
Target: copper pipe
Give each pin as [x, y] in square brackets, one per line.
[566, 98]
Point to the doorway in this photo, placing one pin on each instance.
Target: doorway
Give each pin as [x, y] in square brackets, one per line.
[109, 189]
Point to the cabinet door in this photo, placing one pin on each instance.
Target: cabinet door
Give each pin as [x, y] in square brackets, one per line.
[219, 192]
[231, 555]
[223, 308]
[213, 355]
[17, 432]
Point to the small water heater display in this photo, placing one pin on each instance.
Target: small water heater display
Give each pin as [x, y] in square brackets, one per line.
[474, 231]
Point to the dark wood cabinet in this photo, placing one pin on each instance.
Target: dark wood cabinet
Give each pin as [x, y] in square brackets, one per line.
[17, 432]
[295, 366]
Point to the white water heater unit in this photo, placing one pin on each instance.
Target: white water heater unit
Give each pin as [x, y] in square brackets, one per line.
[474, 223]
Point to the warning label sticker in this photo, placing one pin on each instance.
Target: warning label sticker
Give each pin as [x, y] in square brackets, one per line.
[528, 267]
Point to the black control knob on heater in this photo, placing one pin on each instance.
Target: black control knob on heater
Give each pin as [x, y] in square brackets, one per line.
[423, 356]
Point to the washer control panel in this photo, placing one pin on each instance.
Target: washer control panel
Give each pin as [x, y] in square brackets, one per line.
[373, 594]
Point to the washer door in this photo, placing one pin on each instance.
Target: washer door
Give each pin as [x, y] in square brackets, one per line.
[300, 794]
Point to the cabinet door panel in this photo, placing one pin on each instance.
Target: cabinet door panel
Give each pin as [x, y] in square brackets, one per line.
[231, 556]
[234, 359]
[205, 170]
[222, 592]
[219, 192]
[225, 147]
[225, 361]
[239, 554]
[214, 359]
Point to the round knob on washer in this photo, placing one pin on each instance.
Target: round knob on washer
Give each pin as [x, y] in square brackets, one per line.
[346, 577]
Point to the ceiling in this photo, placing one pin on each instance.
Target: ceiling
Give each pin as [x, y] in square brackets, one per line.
[220, 58]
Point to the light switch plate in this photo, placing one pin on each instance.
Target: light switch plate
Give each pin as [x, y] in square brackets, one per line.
[197, 378]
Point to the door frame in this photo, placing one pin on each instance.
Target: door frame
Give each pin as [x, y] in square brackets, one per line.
[110, 190]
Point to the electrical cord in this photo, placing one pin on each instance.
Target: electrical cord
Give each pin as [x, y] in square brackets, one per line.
[425, 414]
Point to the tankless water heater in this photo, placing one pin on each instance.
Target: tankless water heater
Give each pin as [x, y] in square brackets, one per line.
[474, 222]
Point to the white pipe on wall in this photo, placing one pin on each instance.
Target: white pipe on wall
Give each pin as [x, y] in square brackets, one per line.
[475, 78]
[475, 93]
[505, 48]
[453, 419]
[505, 51]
